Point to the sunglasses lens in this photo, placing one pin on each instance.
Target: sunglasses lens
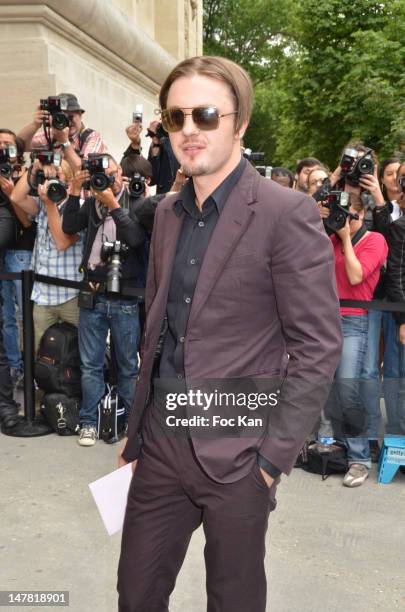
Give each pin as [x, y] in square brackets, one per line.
[172, 119]
[206, 117]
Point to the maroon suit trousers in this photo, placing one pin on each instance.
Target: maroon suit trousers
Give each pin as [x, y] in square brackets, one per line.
[169, 497]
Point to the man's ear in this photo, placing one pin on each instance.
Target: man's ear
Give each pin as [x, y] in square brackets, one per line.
[239, 134]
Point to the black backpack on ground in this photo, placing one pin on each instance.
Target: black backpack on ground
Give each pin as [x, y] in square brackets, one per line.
[111, 416]
[61, 412]
[334, 461]
[57, 366]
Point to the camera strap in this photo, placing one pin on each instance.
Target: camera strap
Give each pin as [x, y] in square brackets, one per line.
[359, 235]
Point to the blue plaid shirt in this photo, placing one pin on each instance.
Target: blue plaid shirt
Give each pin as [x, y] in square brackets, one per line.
[47, 260]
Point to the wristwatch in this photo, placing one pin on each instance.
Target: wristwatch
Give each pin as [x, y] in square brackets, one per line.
[66, 144]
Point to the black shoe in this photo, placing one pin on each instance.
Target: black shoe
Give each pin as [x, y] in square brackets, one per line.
[9, 420]
[375, 451]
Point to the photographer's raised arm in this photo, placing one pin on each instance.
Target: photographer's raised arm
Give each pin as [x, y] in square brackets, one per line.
[20, 196]
[28, 132]
[75, 217]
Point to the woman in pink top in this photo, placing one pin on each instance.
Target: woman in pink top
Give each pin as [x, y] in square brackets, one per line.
[359, 256]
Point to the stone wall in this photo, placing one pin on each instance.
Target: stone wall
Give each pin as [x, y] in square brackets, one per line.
[113, 54]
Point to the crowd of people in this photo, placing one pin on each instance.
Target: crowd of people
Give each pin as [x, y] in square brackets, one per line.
[60, 221]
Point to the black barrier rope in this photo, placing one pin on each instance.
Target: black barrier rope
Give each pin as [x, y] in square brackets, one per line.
[30, 426]
[33, 427]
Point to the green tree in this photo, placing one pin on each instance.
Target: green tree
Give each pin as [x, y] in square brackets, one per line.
[324, 71]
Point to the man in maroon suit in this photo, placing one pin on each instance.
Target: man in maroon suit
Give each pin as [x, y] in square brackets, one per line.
[240, 288]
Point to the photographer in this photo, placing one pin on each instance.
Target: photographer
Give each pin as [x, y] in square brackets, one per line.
[55, 253]
[75, 141]
[282, 176]
[132, 161]
[161, 156]
[111, 264]
[359, 255]
[394, 290]
[303, 168]
[17, 256]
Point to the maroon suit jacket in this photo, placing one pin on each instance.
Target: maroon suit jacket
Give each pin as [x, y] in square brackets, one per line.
[266, 289]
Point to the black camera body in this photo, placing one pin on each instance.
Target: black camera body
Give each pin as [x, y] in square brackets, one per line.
[137, 186]
[96, 165]
[46, 158]
[6, 167]
[353, 167]
[257, 157]
[402, 183]
[56, 107]
[338, 203]
[112, 252]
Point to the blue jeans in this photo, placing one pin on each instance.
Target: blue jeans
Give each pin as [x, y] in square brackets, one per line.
[394, 378]
[121, 318]
[14, 261]
[344, 406]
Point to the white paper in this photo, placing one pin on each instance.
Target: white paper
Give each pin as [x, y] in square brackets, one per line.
[110, 494]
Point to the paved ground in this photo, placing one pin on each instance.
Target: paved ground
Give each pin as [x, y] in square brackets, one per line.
[330, 549]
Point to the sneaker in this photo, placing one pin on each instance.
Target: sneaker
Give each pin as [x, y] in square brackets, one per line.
[356, 475]
[17, 378]
[87, 436]
[374, 451]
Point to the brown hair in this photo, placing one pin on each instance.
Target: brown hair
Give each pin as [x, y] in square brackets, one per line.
[221, 69]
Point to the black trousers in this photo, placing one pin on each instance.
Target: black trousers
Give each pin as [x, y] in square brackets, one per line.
[169, 497]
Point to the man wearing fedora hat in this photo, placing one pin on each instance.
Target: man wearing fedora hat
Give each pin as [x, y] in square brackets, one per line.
[76, 140]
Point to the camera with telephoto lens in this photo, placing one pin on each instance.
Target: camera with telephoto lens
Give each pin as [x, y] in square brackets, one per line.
[137, 186]
[46, 158]
[112, 252]
[97, 164]
[352, 167]
[338, 203]
[6, 154]
[56, 107]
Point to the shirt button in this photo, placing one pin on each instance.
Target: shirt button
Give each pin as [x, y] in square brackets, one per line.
[179, 375]
[187, 300]
[193, 261]
[201, 223]
[181, 339]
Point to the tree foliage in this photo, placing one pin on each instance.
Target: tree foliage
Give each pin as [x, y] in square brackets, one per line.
[324, 72]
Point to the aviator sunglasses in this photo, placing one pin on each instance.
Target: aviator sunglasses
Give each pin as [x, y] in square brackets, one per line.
[205, 117]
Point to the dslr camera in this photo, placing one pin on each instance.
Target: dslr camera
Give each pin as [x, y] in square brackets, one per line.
[57, 189]
[97, 164]
[56, 107]
[256, 157]
[137, 186]
[353, 167]
[402, 184]
[6, 154]
[111, 253]
[338, 203]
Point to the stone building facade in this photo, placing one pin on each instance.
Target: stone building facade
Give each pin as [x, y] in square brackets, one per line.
[113, 54]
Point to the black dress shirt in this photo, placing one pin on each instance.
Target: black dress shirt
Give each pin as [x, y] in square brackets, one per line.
[196, 231]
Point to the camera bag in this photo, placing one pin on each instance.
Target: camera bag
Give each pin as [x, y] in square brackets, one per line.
[333, 461]
[57, 366]
[61, 412]
[111, 416]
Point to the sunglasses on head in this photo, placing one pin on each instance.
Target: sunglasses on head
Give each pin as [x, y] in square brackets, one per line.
[204, 117]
